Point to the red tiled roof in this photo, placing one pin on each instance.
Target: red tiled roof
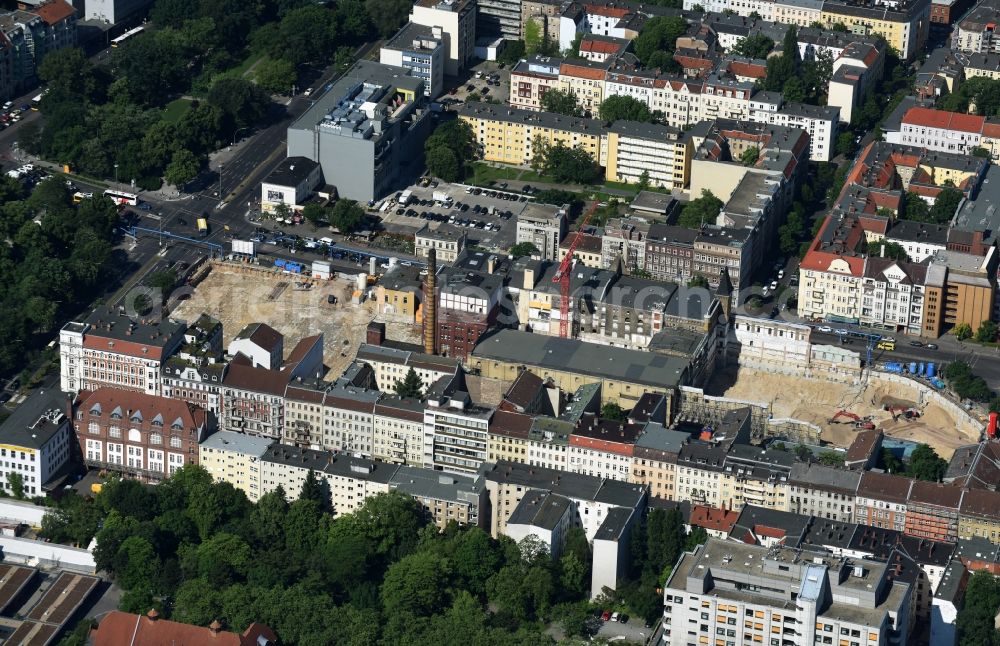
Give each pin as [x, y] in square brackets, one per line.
[580, 71]
[991, 129]
[943, 119]
[54, 11]
[606, 10]
[770, 532]
[720, 520]
[125, 629]
[190, 416]
[749, 70]
[302, 348]
[600, 46]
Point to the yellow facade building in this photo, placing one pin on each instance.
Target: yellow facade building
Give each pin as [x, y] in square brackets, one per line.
[905, 28]
[234, 458]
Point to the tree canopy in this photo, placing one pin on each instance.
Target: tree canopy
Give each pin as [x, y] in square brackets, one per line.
[754, 46]
[564, 164]
[620, 106]
[410, 385]
[450, 149]
[561, 102]
[700, 211]
[657, 41]
[522, 249]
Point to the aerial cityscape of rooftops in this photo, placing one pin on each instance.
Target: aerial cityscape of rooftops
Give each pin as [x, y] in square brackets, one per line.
[500, 322]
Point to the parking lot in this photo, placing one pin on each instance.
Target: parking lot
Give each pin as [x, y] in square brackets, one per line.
[489, 216]
[487, 80]
[631, 632]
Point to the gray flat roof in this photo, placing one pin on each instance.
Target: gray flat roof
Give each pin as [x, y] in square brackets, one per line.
[428, 483]
[657, 437]
[36, 420]
[237, 442]
[544, 119]
[292, 171]
[570, 355]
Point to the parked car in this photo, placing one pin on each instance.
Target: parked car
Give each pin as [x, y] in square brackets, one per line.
[931, 346]
[826, 329]
[606, 615]
[614, 616]
[916, 344]
[623, 618]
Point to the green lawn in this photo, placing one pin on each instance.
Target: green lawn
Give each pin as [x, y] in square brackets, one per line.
[483, 174]
[176, 109]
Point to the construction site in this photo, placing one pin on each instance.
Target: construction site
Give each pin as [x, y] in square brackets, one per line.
[842, 410]
[238, 294]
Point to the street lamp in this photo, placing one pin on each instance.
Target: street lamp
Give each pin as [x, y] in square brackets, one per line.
[116, 172]
[238, 130]
[220, 181]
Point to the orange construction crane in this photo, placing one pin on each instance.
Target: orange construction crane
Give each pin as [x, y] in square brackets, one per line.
[563, 274]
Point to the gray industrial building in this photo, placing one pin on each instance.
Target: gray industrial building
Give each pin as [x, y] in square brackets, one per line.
[367, 132]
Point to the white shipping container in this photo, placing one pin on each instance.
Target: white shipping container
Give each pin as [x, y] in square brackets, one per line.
[246, 247]
[321, 269]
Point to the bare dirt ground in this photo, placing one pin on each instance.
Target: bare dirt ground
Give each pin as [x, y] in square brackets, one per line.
[817, 401]
[237, 298]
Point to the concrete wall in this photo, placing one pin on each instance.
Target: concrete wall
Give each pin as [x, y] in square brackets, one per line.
[32, 552]
[965, 421]
[695, 403]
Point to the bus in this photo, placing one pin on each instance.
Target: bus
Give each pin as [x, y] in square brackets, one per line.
[78, 197]
[35, 102]
[203, 226]
[121, 198]
[115, 42]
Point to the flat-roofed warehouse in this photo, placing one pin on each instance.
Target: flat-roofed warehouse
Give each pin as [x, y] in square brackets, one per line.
[624, 375]
[60, 603]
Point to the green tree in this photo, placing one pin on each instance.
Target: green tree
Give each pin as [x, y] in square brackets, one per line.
[925, 464]
[963, 331]
[700, 211]
[986, 332]
[184, 166]
[314, 214]
[410, 386]
[614, 412]
[533, 38]
[313, 489]
[831, 458]
[164, 280]
[915, 208]
[245, 103]
[945, 205]
[346, 216]
[561, 102]
[892, 250]
[388, 15]
[750, 156]
[698, 281]
[513, 51]
[975, 621]
[416, 585]
[15, 482]
[658, 39]
[574, 576]
[449, 150]
[754, 46]
[980, 152]
[522, 249]
[622, 107]
[565, 164]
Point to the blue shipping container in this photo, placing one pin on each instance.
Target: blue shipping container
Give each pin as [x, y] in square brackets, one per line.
[278, 262]
[913, 367]
[931, 372]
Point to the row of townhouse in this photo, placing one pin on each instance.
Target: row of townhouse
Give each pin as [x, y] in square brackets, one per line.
[950, 276]
[904, 25]
[679, 102]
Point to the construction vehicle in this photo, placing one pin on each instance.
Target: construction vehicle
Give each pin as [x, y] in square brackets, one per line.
[859, 422]
[563, 274]
[897, 410]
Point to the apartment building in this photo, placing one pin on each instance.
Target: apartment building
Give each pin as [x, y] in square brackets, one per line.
[960, 288]
[234, 458]
[530, 79]
[392, 364]
[939, 130]
[592, 498]
[654, 462]
[399, 294]
[253, 399]
[857, 69]
[195, 372]
[456, 433]
[770, 345]
[398, 430]
[457, 21]
[657, 153]
[985, 64]
[347, 481]
[892, 295]
[752, 594]
[445, 498]
[542, 227]
[585, 80]
[421, 50]
[138, 435]
[36, 441]
[881, 500]
[108, 348]
[823, 492]
[975, 33]
[669, 252]
[588, 251]
[508, 135]
[905, 26]
[920, 240]
[932, 511]
[348, 418]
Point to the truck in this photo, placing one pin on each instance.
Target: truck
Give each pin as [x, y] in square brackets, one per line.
[442, 197]
[404, 199]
